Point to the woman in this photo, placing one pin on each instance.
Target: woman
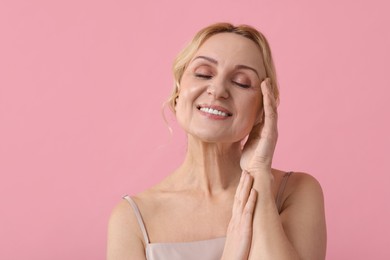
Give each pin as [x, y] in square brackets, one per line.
[224, 201]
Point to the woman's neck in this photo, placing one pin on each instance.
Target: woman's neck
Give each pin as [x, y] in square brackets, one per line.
[210, 167]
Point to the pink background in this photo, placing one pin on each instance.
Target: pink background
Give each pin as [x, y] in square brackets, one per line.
[81, 88]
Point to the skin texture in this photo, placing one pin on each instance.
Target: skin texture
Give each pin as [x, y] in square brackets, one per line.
[225, 190]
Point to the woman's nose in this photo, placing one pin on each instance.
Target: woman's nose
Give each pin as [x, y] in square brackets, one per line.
[218, 88]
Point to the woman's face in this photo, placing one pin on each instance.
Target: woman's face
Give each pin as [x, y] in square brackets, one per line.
[220, 96]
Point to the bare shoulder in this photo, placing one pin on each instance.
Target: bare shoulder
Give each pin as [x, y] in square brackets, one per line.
[123, 215]
[124, 239]
[303, 186]
[299, 186]
[303, 195]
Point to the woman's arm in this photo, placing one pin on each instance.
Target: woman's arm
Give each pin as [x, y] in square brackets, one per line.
[303, 217]
[124, 235]
[299, 232]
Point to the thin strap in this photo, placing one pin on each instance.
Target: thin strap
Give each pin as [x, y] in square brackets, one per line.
[281, 190]
[139, 217]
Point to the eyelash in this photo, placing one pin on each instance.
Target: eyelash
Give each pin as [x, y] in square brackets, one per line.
[204, 76]
[242, 85]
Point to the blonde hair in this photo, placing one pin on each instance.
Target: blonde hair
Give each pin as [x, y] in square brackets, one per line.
[184, 57]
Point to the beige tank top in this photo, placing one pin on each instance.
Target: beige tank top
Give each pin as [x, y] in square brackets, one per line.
[210, 249]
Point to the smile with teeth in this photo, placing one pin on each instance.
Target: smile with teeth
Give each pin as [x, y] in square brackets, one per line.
[213, 111]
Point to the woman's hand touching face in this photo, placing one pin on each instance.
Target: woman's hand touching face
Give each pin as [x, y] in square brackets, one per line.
[258, 151]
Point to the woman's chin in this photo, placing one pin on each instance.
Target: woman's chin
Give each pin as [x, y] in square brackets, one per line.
[208, 137]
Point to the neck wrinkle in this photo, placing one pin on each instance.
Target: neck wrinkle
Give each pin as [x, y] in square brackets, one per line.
[211, 167]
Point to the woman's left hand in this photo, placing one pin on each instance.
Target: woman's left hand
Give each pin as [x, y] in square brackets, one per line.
[240, 229]
[259, 149]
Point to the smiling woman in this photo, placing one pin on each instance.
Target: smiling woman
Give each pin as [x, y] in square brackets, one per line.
[224, 201]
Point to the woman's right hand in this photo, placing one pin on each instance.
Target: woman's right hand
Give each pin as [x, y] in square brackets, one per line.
[239, 233]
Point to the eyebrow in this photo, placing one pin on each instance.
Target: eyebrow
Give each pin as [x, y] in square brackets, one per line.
[214, 61]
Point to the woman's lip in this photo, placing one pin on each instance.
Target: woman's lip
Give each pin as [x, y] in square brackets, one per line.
[222, 109]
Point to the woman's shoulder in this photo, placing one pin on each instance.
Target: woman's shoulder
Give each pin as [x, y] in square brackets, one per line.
[123, 216]
[124, 233]
[129, 209]
[148, 202]
[303, 210]
[297, 181]
[302, 182]
[127, 206]
[302, 190]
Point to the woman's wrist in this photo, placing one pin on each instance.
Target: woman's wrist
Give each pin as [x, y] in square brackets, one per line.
[262, 179]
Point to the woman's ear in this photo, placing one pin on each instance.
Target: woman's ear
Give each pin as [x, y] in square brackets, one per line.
[177, 94]
[175, 97]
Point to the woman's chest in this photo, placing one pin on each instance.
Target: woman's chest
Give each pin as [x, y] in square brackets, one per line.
[186, 220]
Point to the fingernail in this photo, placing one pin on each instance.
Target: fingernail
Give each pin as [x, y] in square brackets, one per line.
[253, 191]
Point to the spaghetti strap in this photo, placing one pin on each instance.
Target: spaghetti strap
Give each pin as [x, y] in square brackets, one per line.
[138, 216]
[281, 190]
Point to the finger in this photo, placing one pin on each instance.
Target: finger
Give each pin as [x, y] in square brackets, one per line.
[269, 134]
[245, 190]
[270, 110]
[249, 210]
[237, 200]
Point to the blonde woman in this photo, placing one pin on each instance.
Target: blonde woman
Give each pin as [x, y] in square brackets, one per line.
[224, 201]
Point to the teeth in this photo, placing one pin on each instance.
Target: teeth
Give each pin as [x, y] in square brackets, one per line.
[213, 111]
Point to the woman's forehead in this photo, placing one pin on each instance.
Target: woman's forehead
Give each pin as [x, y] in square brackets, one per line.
[233, 49]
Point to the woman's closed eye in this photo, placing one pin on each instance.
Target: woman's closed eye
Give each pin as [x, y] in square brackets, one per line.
[242, 85]
[242, 81]
[203, 72]
[203, 75]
